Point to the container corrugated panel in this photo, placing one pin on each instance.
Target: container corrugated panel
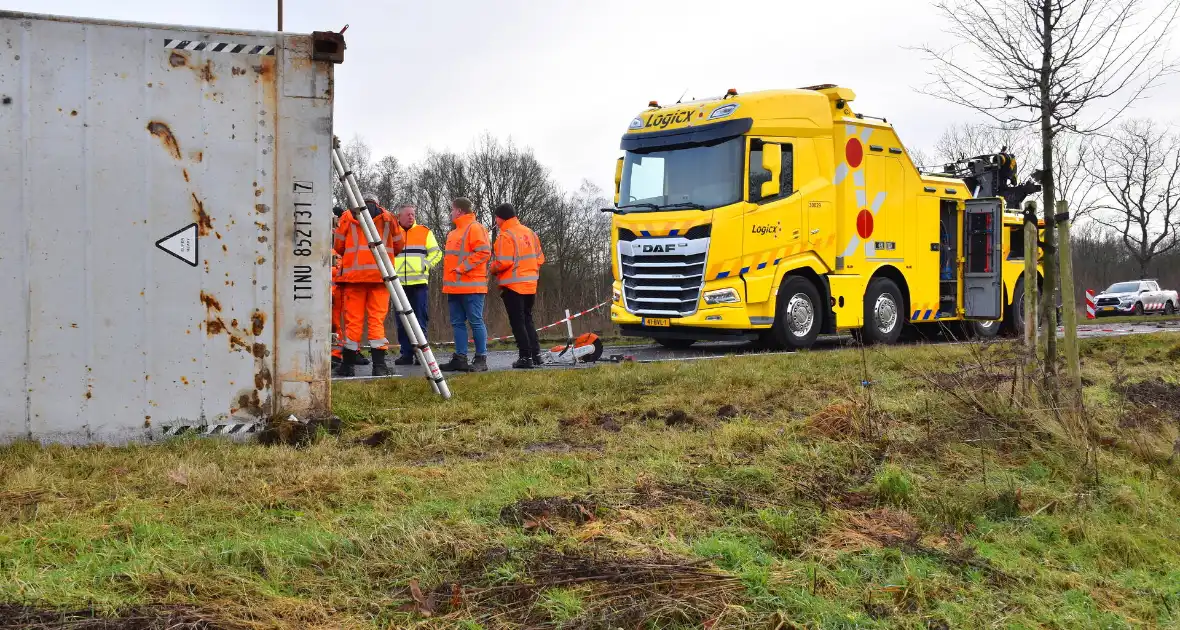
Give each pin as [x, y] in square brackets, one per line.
[214, 144]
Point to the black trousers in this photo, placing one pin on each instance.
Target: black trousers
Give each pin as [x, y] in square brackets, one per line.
[520, 316]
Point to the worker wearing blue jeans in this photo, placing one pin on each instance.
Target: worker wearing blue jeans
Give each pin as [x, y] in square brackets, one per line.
[467, 308]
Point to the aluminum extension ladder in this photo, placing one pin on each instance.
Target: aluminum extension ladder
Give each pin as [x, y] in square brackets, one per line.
[389, 273]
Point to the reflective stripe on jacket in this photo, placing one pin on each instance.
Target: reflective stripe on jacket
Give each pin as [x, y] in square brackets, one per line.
[518, 257]
[421, 254]
[465, 261]
[358, 264]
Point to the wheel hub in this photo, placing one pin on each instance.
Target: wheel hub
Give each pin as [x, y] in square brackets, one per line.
[800, 315]
[886, 313]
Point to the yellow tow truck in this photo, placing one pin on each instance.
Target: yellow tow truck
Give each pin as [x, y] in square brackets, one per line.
[780, 215]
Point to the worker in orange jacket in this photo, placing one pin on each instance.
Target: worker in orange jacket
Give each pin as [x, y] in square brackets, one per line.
[465, 283]
[337, 314]
[516, 262]
[363, 293]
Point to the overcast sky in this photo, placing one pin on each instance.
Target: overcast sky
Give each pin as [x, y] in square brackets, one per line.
[566, 76]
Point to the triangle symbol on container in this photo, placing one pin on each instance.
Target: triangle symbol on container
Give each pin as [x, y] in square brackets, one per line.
[182, 244]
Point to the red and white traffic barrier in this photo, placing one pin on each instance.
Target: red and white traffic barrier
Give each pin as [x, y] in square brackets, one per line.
[546, 327]
[1091, 306]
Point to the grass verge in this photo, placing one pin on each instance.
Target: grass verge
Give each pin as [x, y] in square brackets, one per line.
[916, 487]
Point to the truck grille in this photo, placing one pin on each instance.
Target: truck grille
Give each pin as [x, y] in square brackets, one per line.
[1108, 301]
[663, 276]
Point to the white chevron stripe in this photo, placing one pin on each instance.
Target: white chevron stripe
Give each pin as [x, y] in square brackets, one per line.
[841, 174]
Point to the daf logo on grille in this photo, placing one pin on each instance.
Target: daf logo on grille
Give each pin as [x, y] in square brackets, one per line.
[660, 249]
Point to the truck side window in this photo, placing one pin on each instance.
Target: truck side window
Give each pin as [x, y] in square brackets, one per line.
[759, 175]
[1016, 243]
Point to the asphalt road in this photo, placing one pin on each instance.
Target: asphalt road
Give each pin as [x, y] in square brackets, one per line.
[651, 353]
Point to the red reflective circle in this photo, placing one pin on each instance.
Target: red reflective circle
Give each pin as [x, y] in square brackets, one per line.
[854, 152]
[864, 224]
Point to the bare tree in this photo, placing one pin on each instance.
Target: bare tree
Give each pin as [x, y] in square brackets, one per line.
[358, 158]
[967, 140]
[1055, 65]
[1139, 168]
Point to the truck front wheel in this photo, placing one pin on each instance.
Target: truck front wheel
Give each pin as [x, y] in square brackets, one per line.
[798, 316]
[884, 312]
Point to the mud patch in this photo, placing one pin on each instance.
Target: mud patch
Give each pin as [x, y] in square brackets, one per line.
[618, 592]
[606, 422]
[539, 514]
[727, 412]
[1157, 393]
[298, 433]
[650, 493]
[143, 618]
[678, 418]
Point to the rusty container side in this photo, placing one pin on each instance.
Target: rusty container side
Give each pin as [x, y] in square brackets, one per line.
[147, 253]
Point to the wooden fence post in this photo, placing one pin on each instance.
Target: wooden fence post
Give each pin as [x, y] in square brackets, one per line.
[1069, 301]
[1030, 279]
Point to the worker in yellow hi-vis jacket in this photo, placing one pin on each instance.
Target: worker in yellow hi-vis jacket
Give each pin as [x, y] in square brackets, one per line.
[413, 265]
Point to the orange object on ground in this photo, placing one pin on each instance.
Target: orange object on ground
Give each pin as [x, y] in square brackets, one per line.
[465, 259]
[364, 301]
[518, 257]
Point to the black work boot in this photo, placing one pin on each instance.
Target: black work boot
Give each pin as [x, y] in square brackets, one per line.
[538, 360]
[361, 359]
[480, 363]
[345, 368]
[458, 363]
[405, 359]
[380, 368]
[523, 363]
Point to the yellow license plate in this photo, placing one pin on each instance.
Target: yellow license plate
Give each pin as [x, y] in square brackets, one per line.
[658, 322]
[1108, 308]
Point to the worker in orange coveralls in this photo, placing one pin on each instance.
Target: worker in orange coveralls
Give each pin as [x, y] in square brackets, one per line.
[337, 304]
[363, 294]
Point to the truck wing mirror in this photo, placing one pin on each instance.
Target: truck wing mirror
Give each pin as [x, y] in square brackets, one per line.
[618, 179]
[772, 161]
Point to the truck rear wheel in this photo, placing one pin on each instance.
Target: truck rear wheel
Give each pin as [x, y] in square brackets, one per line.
[884, 312]
[797, 318]
[985, 329]
[1169, 308]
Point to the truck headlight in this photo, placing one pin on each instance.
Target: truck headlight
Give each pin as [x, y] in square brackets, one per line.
[722, 296]
[1127, 300]
[617, 295]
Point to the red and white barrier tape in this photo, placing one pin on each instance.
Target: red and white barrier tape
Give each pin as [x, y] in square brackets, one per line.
[546, 327]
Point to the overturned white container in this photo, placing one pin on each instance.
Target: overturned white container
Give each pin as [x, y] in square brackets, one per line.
[165, 209]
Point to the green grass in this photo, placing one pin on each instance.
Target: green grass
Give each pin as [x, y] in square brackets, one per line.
[933, 498]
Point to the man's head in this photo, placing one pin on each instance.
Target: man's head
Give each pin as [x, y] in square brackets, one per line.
[461, 206]
[504, 212]
[370, 200]
[406, 214]
[337, 212]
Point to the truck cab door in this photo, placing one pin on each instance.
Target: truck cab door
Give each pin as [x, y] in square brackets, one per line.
[772, 221]
[983, 248]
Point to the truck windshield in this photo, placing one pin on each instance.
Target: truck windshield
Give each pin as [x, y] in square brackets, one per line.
[703, 176]
[1123, 287]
